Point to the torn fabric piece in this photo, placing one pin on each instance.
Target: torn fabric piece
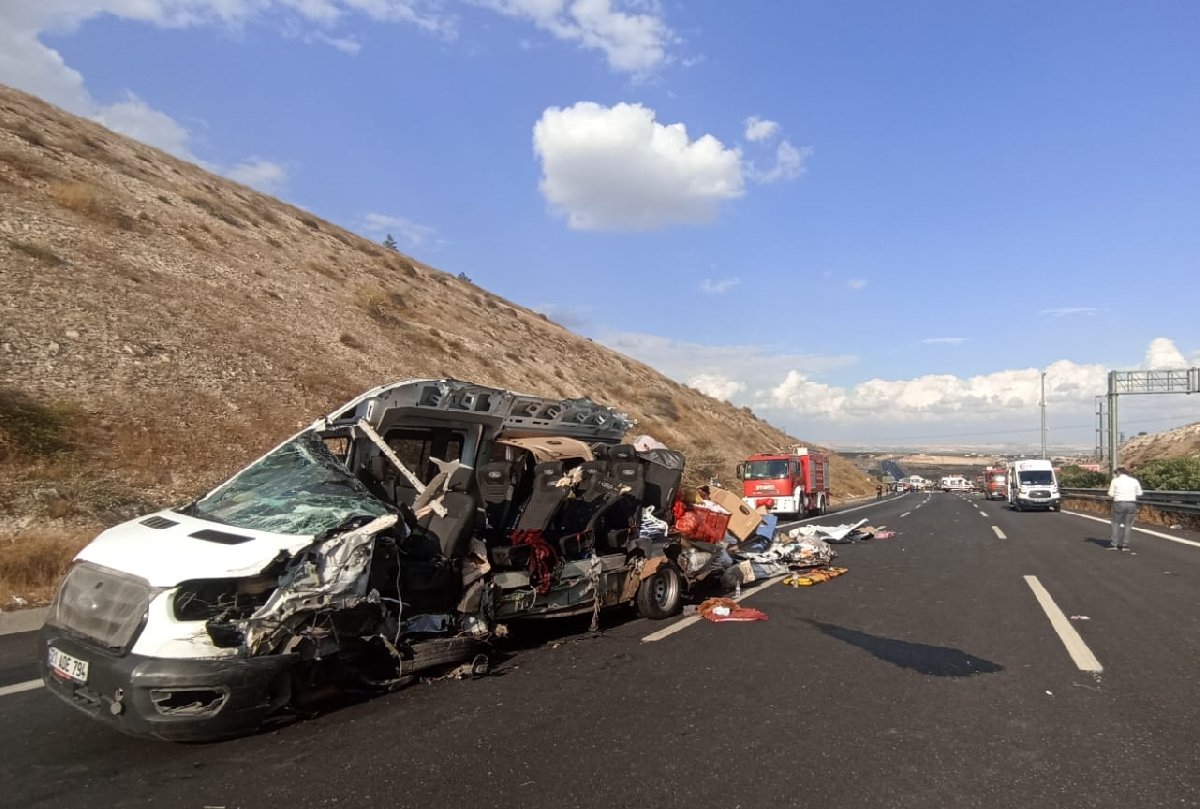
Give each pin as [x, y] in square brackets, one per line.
[542, 559]
[720, 610]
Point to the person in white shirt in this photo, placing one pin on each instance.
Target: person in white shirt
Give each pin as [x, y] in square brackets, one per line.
[1124, 491]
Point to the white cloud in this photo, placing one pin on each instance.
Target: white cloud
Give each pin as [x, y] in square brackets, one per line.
[718, 287]
[266, 176]
[789, 164]
[857, 284]
[324, 11]
[1162, 354]
[633, 41]
[570, 317]
[1070, 311]
[617, 168]
[953, 341]
[424, 14]
[793, 390]
[408, 232]
[135, 118]
[758, 129]
[29, 64]
[935, 396]
[348, 44]
[746, 367]
[716, 386]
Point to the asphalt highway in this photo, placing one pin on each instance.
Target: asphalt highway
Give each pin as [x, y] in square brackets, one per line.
[981, 658]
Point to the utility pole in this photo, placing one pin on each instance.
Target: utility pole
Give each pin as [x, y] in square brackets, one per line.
[1101, 428]
[1043, 403]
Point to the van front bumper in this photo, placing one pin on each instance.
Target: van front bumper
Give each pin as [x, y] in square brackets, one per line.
[172, 699]
[1048, 503]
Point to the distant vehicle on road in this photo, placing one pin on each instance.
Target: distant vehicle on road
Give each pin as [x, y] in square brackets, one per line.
[1032, 484]
[995, 483]
[956, 483]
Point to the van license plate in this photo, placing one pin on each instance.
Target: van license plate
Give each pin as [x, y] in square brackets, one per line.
[72, 668]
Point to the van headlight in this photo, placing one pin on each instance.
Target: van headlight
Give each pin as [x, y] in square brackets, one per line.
[205, 599]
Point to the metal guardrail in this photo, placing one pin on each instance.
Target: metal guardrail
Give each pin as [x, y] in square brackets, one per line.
[1183, 502]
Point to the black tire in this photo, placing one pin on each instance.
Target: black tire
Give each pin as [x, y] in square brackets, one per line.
[660, 595]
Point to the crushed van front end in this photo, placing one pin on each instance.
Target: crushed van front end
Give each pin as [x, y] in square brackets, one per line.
[88, 660]
[173, 699]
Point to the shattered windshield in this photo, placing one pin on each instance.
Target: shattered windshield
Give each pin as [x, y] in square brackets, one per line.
[299, 488]
[1037, 477]
[766, 470]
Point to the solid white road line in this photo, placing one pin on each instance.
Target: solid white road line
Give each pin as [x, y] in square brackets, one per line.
[827, 519]
[684, 623]
[999, 533]
[17, 688]
[1158, 534]
[1080, 653]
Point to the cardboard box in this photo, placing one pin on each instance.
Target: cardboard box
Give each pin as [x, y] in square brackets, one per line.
[743, 519]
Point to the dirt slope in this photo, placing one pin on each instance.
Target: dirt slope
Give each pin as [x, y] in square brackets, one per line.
[1180, 442]
[160, 326]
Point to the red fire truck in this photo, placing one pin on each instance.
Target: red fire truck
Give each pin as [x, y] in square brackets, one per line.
[995, 483]
[795, 482]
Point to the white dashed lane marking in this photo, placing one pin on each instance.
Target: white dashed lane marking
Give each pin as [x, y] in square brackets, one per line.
[1076, 648]
[17, 688]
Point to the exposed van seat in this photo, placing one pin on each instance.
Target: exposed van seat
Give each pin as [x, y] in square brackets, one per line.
[546, 498]
[454, 528]
[497, 482]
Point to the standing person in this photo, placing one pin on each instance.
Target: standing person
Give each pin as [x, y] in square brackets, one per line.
[878, 491]
[1124, 491]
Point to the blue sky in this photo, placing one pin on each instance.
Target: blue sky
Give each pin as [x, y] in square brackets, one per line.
[872, 222]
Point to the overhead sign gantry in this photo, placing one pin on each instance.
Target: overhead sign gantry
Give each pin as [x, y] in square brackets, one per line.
[1165, 380]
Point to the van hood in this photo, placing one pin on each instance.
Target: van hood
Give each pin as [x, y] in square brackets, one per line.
[167, 548]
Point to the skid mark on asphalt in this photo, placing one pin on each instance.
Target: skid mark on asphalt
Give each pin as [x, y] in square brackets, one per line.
[1076, 648]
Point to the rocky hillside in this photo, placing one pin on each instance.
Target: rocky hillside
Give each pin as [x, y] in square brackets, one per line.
[1177, 443]
[160, 326]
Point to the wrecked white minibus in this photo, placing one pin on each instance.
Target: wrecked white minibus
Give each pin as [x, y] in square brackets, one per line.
[385, 540]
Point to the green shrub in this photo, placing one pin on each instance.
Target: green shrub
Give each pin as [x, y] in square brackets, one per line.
[1173, 475]
[1075, 477]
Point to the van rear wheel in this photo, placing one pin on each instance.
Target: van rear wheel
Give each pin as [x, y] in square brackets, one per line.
[660, 594]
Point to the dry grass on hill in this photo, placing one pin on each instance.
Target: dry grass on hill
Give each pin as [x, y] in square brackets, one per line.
[172, 324]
